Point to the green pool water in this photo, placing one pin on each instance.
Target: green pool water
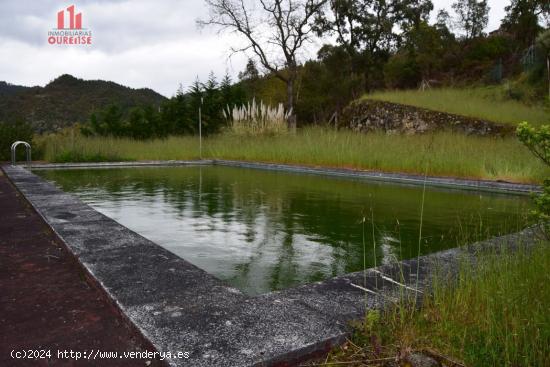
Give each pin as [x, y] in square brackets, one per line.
[264, 230]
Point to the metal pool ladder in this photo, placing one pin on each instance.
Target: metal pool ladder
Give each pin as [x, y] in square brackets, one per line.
[27, 149]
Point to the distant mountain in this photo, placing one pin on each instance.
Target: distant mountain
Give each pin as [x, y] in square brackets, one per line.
[68, 100]
[7, 89]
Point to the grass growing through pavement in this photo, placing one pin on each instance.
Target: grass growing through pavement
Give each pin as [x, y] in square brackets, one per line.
[446, 153]
[483, 103]
[496, 314]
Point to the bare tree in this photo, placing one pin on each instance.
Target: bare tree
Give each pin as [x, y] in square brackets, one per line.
[275, 32]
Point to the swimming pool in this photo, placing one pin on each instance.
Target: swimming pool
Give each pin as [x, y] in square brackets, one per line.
[265, 230]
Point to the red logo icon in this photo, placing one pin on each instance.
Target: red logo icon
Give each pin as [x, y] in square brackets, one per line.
[69, 29]
[75, 20]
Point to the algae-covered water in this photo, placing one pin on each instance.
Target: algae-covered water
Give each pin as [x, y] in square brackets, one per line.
[263, 230]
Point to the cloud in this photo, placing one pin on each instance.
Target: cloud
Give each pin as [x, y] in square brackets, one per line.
[496, 11]
[161, 66]
[126, 24]
[139, 43]
[135, 43]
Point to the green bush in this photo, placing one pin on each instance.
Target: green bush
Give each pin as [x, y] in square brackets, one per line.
[538, 142]
[11, 132]
[402, 71]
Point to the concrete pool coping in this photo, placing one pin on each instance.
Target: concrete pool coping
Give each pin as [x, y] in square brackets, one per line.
[179, 307]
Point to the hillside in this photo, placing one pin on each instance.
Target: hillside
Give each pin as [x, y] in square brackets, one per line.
[487, 103]
[7, 89]
[68, 100]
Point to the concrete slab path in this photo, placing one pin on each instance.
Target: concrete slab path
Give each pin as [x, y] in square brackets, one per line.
[46, 301]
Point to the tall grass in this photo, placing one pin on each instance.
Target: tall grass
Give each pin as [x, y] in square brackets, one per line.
[78, 148]
[483, 103]
[495, 314]
[449, 154]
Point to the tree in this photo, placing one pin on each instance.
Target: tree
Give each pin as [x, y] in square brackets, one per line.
[275, 34]
[543, 44]
[107, 122]
[177, 115]
[231, 94]
[538, 142]
[212, 105]
[523, 19]
[226, 90]
[327, 85]
[145, 123]
[249, 79]
[250, 71]
[419, 59]
[473, 16]
[443, 21]
[411, 14]
[11, 132]
[359, 26]
[366, 30]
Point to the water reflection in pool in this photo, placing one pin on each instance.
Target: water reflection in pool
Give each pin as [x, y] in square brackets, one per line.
[263, 230]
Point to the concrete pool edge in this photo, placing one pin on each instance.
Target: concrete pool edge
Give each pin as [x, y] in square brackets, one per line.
[177, 306]
[399, 178]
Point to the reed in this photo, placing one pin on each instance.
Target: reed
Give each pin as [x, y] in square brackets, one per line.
[255, 119]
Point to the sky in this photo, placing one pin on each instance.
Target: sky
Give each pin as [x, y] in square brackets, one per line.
[138, 43]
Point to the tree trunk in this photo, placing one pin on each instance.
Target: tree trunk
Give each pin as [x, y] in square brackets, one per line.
[290, 103]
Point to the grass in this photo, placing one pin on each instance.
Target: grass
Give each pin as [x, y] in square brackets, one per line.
[61, 148]
[496, 314]
[445, 153]
[486, 103]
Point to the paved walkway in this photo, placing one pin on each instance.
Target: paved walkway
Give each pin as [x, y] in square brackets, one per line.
[46, 301]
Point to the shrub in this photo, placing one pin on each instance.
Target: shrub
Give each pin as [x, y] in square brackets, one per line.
[538, 142]
[11, 132]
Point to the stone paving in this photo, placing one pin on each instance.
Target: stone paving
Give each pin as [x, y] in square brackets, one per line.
[46, 300]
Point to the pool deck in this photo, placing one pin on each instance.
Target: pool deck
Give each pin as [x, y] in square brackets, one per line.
[46, 302]
[179, 307]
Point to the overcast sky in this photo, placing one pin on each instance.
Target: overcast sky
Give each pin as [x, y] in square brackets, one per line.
[138, 43]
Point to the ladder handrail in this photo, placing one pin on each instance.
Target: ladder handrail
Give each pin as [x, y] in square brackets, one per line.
[27, 149]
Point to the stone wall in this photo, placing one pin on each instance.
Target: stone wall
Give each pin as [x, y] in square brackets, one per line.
[370, 115]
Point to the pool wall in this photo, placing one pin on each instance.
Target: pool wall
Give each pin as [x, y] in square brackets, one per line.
[404, 179]
[179, 307]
